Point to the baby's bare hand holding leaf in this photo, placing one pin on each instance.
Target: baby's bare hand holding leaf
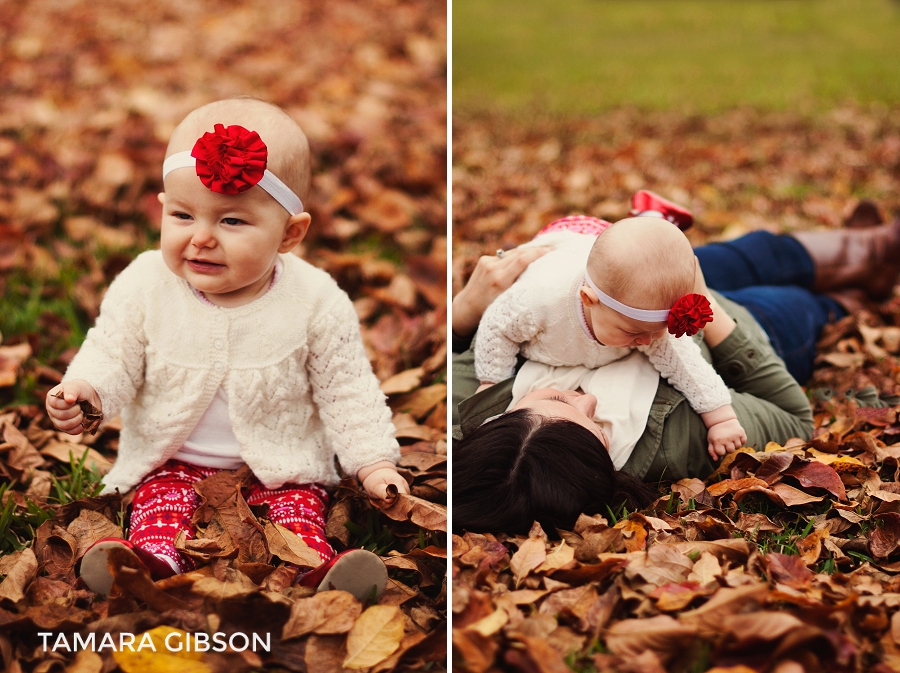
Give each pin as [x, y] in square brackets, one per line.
[74, 407]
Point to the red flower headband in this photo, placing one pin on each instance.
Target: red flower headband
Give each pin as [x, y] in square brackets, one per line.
[687, 316]
[231, 160]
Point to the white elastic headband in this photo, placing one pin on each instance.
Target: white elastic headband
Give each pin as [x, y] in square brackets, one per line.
[269, 182]
[643, 315]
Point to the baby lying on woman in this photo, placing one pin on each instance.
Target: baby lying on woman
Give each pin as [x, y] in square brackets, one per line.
[594, 298]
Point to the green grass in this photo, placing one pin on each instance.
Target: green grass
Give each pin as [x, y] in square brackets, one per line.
[18, 523]
[585, 56]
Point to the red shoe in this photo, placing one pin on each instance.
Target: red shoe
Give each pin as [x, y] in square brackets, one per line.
[356, 571]
[644, 201]
[97, 575]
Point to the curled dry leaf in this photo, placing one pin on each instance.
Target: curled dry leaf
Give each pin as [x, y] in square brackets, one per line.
[530, 555]
[662, 634]
[89, 527]
[886, 538]
[19, 574]
[789, 570]
[290, 547]
[11, 359]
[424, 513]
[324, 613]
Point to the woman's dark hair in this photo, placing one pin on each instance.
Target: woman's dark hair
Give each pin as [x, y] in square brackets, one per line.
[524, 467]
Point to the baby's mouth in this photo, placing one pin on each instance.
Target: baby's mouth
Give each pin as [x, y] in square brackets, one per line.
[203, 265]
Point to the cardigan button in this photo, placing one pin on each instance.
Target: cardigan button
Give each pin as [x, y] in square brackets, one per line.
[218, 366]
[218, 343]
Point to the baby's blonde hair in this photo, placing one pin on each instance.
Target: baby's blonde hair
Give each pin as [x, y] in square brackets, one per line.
[287, 145]
[643, 262]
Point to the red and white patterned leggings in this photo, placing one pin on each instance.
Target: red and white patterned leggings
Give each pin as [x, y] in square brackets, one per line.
[165, 501]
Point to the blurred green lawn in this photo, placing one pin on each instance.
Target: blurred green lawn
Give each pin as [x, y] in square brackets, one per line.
[582, 56]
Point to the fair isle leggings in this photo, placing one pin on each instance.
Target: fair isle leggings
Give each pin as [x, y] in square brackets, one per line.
[165, 501]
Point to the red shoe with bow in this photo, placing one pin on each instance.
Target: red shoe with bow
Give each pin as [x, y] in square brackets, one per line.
[650, 203]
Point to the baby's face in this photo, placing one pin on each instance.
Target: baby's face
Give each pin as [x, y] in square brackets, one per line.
[611, 328]
[223, 245]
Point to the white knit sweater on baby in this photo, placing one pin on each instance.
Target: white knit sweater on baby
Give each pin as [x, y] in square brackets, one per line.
[299, 385]
[542, 317]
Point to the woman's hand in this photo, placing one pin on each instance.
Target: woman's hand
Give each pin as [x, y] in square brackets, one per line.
[492, 275]
[376, 478]
[63, 408]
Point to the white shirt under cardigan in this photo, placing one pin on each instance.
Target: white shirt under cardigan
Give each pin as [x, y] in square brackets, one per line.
[300, 388]
[541, 316]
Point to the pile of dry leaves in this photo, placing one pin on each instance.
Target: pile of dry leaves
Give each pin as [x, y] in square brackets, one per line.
[91, 94]
[783, 561]
[242, 584]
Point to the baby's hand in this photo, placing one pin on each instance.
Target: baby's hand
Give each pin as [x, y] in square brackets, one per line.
[377, 482]
[63, 408]
[725, 437]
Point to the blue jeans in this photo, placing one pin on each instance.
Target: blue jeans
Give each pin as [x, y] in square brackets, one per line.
[771, 276]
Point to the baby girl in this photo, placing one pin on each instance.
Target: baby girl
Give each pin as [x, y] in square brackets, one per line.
[221, 349]
[594, 298]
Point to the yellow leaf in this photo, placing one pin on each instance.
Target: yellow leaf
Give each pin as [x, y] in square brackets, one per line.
[375, 636]
[558, 558]
[488, 626]
[705, 569]
[167, 657]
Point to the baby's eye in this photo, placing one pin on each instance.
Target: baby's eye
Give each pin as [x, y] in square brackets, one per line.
[559, 398]
[182, 216]
[232, 220]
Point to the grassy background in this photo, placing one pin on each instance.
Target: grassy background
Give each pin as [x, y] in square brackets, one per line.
[583, 56]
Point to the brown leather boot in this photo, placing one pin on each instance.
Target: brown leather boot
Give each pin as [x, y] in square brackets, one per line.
[866, 258]
[865, 214]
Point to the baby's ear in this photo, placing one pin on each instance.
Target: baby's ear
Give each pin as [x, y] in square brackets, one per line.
[588, 298]
[161, 197]
[295, 231]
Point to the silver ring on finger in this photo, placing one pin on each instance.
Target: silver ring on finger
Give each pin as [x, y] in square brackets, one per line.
[500, 252]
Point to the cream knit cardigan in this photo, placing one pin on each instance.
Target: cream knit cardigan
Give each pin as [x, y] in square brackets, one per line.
[300, 387]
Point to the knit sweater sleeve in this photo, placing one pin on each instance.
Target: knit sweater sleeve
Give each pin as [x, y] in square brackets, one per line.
[506, 324]
[352, 407]
[112, 356]
[680, 361]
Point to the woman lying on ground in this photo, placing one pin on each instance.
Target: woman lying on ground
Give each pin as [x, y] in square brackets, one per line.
[536, 447]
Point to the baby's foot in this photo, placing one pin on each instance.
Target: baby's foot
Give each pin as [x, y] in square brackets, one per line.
[355, 571]
[95, 568]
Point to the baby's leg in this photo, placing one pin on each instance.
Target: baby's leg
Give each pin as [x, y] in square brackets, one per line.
[300, 508]
[164, 503]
